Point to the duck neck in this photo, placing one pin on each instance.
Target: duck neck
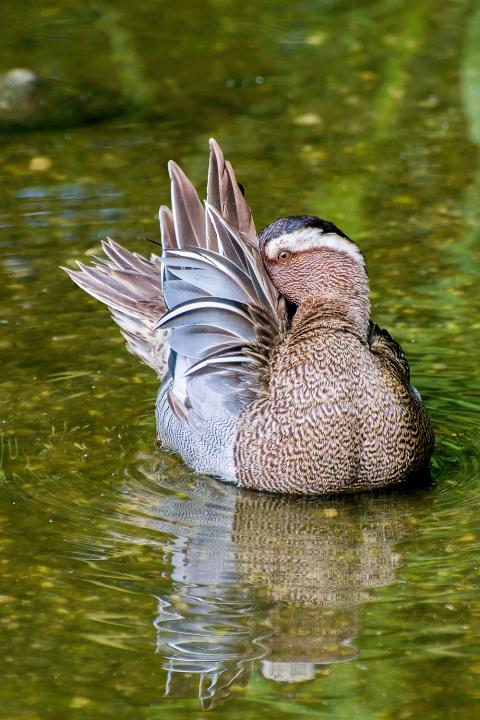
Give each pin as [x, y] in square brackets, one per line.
[336, 293]
[323, 315]
[333, 279]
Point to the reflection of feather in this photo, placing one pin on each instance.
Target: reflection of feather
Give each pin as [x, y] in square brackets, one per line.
[289, 603]
[198, 660]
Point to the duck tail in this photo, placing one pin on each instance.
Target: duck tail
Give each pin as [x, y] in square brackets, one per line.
[130, 286]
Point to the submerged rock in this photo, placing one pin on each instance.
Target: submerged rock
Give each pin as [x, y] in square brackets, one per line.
[17, 88]
[29, 102]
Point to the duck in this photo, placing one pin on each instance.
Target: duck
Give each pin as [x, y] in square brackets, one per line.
[273, 375]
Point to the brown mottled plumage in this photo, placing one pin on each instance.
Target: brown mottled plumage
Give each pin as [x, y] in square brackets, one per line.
[277, 378]
[339, 414]
[338, 417]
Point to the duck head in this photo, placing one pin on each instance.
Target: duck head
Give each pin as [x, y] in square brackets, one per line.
[312, 260]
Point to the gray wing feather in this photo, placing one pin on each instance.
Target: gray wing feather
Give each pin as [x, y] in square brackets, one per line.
[178, 292]
[225, 196]
[211, 265]
[211, 281]
[229, 359]
[167, 228]
[188, 213]
[199, 342]
[207, 303]
[229, 317]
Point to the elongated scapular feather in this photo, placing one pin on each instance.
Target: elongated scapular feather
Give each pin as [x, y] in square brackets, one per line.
[205, 312]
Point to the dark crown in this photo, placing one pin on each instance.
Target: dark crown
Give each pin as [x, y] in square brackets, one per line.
[293, 223]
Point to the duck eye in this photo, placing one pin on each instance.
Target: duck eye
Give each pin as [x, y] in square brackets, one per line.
[284, 255]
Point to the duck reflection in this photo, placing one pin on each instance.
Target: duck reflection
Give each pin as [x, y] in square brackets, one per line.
[270, 581]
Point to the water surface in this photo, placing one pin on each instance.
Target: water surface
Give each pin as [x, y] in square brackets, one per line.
[131, 588]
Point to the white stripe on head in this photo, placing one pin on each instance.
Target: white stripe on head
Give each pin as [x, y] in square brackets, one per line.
[312, 239]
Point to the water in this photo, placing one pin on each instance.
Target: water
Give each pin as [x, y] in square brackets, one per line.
[131, 588]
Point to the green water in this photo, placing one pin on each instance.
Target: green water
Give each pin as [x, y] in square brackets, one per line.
[129, 587]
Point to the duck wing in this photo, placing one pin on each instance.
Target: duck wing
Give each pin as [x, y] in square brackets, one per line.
[390, 351]
[224, 314]
[190, 226]
[131, 285]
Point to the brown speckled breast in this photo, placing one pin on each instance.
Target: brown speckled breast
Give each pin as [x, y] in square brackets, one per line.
[337, 417]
